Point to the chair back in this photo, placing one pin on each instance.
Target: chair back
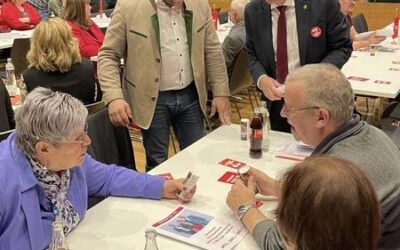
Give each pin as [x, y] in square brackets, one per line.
[94, 107]
[110, 144]
[5, 134]
[108, 12]
[240, 77]
[360, 23]
[223, 17]
[19, 50]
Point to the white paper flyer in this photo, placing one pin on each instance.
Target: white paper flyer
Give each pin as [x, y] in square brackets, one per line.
[293, 150]
[201, 230]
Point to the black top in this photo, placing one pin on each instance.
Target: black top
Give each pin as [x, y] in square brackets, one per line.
[6, 111]
[78, 82]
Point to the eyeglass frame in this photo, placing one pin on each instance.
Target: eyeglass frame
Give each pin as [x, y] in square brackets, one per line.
[287, 112]
[82, 137]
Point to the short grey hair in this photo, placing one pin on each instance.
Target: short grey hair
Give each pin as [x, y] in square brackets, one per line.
[239, 6]
[47, 116]
[326, 87]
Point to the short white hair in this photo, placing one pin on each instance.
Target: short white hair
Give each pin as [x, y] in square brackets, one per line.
[239, 6]
[325, 86]
[47, 116]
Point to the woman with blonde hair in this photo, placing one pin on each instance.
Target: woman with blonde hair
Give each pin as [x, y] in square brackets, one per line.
[19, 15]
[55, 63]
[89, 35]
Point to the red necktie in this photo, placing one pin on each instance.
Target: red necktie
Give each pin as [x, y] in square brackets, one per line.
[281, 50]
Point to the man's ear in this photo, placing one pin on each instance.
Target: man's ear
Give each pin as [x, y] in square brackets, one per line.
[323, 118]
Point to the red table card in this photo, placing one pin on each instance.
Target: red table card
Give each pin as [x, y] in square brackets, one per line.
[232, 163]
[228, 177]
[357, 78]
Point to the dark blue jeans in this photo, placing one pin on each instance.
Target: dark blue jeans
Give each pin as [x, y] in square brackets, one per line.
[179, 109]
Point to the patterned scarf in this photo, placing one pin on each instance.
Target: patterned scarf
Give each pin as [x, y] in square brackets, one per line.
[55, 188]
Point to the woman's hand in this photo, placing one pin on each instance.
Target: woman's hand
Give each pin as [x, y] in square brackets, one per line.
[172, 187]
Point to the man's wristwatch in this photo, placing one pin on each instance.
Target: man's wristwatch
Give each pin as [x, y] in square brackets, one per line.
[242, 210]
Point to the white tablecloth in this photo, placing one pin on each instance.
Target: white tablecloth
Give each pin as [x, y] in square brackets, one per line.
[119, 223]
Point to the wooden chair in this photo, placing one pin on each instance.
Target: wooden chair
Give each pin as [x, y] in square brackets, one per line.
[19, 50]
[94, 107]
[240, 80]
[360, 23]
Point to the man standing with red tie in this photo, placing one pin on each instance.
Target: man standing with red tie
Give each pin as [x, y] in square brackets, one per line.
[283, 35]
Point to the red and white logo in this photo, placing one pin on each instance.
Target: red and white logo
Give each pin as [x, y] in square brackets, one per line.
[316, 31]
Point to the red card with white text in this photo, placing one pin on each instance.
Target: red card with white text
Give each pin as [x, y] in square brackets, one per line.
[259, 204]
[167, 176]
[232, 163]
[357, 78]
[228, 177]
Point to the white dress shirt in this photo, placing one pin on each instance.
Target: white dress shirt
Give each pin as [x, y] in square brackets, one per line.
[176, 67]
[292, 38]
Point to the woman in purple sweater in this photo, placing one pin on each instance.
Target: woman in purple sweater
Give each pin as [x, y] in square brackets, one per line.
[46, 175]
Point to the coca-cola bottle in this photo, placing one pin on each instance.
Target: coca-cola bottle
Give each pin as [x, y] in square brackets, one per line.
[256, 135]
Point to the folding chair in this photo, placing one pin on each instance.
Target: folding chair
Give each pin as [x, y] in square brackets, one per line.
[360, 23]
[19, 50]
[240, 80]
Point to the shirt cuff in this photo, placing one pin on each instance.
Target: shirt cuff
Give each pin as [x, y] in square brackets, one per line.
[258, 81]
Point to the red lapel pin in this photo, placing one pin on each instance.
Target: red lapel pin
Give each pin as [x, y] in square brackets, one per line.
[315, 31]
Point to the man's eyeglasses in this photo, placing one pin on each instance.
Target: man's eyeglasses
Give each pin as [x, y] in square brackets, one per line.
[287, 111]
[81, 139]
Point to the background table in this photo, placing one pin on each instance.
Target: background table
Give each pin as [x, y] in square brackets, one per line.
[119, 223]
[7, 39]
[378, 67]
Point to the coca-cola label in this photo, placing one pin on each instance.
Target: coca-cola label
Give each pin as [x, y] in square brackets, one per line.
[257, 133]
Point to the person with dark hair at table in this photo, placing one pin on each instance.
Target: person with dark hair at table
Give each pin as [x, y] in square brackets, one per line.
[88, 34]
[19, 15]
[325, 203]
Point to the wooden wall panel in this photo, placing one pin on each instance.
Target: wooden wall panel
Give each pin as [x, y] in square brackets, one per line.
[378, 15]
[223, 5]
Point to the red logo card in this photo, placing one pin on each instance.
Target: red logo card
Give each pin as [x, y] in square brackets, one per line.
[259, 204]
[396, 62]
[357, 78]
[167, 176]
[232, 163]
[382, 82]
[228, 177]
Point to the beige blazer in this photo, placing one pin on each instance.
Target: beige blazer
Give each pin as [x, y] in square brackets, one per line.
[133, 34]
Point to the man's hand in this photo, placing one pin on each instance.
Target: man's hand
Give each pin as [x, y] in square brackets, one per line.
[171, 187]
[374, 39]
[222, 105]
[269, 88]
[265, 184]
[119, 112]
[241, 194]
